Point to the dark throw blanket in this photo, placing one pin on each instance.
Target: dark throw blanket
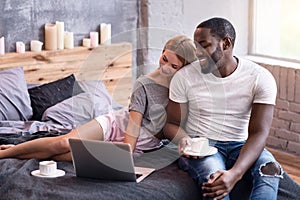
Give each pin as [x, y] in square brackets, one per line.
[167, 182]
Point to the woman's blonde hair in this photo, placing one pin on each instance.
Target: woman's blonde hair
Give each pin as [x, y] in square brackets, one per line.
[183, 47]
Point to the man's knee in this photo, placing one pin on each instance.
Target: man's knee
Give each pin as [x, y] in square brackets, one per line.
[271, 169]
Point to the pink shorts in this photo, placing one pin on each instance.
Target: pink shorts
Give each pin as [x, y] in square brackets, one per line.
[114, 129]
[114, 125]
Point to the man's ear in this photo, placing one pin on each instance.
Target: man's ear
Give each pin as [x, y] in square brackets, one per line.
[226, 43]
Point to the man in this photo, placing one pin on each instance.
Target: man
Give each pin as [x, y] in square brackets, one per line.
[230, 101]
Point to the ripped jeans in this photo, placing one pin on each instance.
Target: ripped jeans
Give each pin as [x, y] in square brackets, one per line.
[264, 185]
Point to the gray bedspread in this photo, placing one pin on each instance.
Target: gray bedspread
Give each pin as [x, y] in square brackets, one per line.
[31, 127]
[17, 183]
[167, 182]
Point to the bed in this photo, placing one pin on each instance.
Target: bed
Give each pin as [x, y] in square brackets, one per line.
[49, 93]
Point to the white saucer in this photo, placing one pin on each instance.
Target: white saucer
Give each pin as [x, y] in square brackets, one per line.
[210, 151]
[58, 173]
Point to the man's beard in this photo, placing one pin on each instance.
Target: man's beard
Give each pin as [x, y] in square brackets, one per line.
[211, 61]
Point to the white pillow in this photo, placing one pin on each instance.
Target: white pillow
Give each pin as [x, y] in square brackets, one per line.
[14, 97]
[83, 107]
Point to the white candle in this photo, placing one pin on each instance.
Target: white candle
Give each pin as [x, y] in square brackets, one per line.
[105, 33]
[86, 42]
[50, 36]
[60, 34]
[36, 45]
[20, 47]
[69, 40]
[2, 46]
[94, 39]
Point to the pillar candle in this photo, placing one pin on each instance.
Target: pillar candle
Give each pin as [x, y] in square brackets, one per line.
[2, 46]
[94, 39]
[36, 45]
[69, 40]
[105, 33]
[20, 47]
[50, 36]
[86, 42]
[60, 34]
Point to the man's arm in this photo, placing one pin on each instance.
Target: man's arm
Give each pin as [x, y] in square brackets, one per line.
[259, 127]
[222, 182]
[176, 116]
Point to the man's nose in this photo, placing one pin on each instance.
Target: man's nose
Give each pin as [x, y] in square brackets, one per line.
[200, 53]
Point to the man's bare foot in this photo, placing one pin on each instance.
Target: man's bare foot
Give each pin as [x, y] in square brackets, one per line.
[6, 146]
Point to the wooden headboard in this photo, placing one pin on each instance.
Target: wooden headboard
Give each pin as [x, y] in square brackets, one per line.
[109, 63]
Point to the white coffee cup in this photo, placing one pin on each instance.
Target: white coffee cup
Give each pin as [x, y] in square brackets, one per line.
[199, 144]
[47, 168]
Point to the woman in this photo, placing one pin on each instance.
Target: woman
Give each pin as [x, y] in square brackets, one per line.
[145, 118]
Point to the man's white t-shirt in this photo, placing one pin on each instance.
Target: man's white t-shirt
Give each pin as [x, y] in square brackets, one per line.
[219, 108]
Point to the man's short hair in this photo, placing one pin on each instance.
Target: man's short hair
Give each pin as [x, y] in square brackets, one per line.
[220, 27]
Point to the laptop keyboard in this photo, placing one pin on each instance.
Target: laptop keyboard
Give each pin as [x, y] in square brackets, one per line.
[138, 175]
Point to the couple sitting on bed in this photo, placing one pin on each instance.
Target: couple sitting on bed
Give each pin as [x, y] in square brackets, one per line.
[225, 98]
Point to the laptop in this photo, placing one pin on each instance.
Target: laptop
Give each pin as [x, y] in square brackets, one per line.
[105, 160]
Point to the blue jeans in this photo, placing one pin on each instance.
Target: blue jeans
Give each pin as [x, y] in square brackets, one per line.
[263, 186]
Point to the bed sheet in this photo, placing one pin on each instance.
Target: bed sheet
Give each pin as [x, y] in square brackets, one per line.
[167, 182]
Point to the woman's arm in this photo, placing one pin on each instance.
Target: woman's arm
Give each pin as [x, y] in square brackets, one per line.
[133, 129]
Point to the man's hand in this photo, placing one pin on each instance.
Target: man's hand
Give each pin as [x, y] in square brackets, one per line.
[183, 143]
[219, 184]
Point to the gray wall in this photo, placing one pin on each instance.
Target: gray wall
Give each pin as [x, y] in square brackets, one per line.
[236, 11]
[167, 18]
[24, 20]
[147, 24]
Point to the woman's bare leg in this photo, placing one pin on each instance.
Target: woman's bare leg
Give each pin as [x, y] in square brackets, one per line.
[49, 147]
[6, 146]
[63, 157]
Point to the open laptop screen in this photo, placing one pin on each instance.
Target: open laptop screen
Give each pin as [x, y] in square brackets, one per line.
[105, 160]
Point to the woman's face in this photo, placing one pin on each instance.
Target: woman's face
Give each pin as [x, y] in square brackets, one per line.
[169, 63]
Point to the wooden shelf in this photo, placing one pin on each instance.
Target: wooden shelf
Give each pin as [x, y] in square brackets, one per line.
[110, 63]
